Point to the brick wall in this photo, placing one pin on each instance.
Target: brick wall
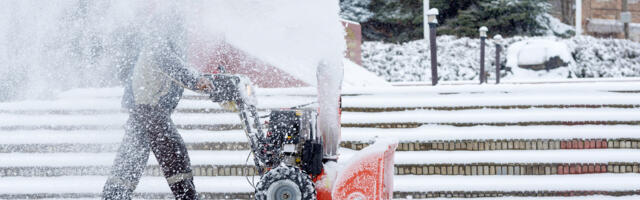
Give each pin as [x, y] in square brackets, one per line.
[609, 10]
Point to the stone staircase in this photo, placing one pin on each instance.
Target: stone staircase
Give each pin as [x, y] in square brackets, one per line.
[465, 141]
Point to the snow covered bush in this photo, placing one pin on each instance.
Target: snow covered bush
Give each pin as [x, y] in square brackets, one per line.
[605, 57]
[458, 58]
[355, 10]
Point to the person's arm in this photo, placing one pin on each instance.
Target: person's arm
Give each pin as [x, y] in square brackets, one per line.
[174, 65]
[167, 41]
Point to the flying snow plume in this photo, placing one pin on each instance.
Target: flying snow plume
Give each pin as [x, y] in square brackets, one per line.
[51, 46]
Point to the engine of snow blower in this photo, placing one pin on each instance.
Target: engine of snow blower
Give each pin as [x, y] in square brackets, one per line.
[288, 155]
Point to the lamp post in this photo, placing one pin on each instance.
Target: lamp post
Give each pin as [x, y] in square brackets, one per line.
[625, 17]
[578, 17]
[498, 40]
[425, 18]
[433, 22]
[483, 36]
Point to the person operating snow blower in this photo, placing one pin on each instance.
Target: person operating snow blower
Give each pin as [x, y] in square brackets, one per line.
[154, 74]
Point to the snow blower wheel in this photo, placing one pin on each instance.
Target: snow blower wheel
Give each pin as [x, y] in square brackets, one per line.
[285, 183]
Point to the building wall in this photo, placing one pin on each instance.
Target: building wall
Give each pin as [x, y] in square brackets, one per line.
[610, 10]
[599, 10]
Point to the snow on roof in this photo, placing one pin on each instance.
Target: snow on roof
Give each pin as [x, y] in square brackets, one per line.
[356, 75]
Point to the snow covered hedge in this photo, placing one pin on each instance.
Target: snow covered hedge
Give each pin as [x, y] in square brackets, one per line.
[458, 58]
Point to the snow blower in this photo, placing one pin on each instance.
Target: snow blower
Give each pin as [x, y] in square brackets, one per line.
[288, 156]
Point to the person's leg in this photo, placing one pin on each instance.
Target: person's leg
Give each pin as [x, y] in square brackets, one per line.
[130, 161]
[171, 153]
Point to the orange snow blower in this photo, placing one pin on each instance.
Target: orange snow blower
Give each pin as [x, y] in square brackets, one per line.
[288, 155]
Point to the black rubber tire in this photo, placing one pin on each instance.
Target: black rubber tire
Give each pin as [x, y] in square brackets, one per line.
[283, 174]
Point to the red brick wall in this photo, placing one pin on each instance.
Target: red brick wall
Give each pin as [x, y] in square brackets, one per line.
[354, 41]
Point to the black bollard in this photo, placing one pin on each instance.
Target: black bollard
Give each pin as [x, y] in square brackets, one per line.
[434, 55]
[497, 39]
[483, 37]
[433, 23]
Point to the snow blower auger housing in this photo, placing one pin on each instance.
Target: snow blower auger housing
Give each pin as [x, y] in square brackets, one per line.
[289, 155]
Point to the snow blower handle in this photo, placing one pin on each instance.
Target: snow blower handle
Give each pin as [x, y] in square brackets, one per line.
[238, 90]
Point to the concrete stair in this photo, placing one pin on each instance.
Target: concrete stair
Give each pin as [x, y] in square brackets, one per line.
[486, 137]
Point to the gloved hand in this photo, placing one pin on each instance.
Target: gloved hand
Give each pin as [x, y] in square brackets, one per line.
[204, 85]
[229, 106]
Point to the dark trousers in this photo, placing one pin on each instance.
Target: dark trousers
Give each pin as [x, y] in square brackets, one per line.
[150, 129]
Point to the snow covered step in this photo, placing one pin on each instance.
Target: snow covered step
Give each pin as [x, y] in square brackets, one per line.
[366, 103]
[384, 105]
[425, 133]
[111, 119]
[234, 163]
[116, 93]
[451, 145]
[593, 197]
[476, 169]
[452, 133]
[207, 127]
[87, 101]
[434, 137]
[516, 169]
[95, 141]
[13, 122]
[91, 187]
[551, 156]
[477, 107]
[516, 186]
[404, 157]
[112, 147]
[493, 116]
[425, 138]
[111, 105]
[108, 136]
[503, 101]
[474, 88]
[414, 186]
[106, 159]
[405, 119]
[516, 144]
[548, 88]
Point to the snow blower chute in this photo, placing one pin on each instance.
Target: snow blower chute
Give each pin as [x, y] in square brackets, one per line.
[288, 156]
